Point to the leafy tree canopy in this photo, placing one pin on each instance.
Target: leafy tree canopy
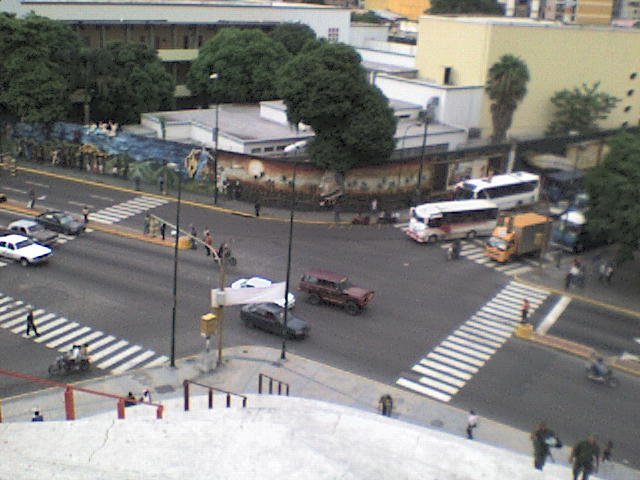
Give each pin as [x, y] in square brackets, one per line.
[490, 7]
[326, 87]
[125, 80]
[39, 61]
[246, 61]
[614, 196]
[506, 87]
[367, 17]
[293, 36]
[580, 109]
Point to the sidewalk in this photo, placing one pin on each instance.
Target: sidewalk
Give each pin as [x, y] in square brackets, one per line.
[307, 379]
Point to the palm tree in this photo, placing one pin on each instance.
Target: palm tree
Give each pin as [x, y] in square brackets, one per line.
[506, 87]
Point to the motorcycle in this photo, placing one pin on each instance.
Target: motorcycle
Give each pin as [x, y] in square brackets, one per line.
[66, 363]
[606, 379]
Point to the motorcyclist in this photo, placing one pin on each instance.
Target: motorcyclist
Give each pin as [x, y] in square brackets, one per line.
[599, 368]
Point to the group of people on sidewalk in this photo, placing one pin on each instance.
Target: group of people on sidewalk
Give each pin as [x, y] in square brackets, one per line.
[577, 273]
[585, 455]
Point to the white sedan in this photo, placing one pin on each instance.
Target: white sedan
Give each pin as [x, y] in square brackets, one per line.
[259, 282]
[23, 250]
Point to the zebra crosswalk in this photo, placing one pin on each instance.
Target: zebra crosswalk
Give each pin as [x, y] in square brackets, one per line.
[441, 373]
[106, 352]
[135, 206]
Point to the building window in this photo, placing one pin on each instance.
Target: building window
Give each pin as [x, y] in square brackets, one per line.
[334, 34]
[633, 76]
[627, 108]
[185, 42]
[157, 43]
[630, 93]
[256, 150]
[268, 149]
[280, 148]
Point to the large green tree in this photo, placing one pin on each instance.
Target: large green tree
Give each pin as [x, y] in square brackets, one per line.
[125, 80]
[326, 87]
[39, 61]
[293, 36]
[580, 109]
[246, 62]
[490, 7]
[614, 196]
[506, 87]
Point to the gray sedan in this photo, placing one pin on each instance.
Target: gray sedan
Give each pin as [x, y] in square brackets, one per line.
[34, 231]
[270, 318]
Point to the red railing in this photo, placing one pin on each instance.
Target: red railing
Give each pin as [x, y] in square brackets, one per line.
[69, 401]
[210, 390]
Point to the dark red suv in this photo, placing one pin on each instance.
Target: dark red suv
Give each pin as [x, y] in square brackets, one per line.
[335, 288]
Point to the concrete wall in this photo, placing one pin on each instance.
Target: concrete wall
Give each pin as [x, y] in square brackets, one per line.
[557, 57]
[362, 33]
[387, 58]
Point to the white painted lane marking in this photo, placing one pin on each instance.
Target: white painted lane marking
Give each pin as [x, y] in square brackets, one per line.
[443, 387]
[66, 338]
[476, 339]
[403, 382]
[157, 362]
[553, 315]
[106, 351]
[55, 333]
[452, 362]
[133, 362]
[458, 356]
[99, 197]
[120, 356]
[483, 334]
[465, 351]
[438, 375]
[443, 368]
[456, 338]
[103, 341]
[80, 341]
[51, 324]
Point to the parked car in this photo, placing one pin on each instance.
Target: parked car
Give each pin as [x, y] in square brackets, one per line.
[270, 318]
[23, 250]
[259, 282]
[60, 222]
[33, 230]
[330, 287]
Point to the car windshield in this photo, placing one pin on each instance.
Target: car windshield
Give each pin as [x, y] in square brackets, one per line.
[65, 219]
[464, 193]
[23, 243]
[36, 227]
[498, 243]
[345, 284]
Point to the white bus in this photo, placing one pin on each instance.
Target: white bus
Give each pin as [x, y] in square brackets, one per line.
[510, 190]
[431, 222]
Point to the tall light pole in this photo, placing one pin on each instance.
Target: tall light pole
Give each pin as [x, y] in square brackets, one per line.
[428, 113]
[175, 266]
[214, 76]
[293, 148]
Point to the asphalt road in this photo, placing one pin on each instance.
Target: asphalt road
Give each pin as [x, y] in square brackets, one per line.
[124, 288]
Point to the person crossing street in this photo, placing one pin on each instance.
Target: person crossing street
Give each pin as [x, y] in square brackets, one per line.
[31, 324]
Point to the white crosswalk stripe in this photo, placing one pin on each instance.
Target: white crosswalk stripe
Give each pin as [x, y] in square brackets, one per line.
[474, 250]
[59, 333]
[119, 212]
[444, 371]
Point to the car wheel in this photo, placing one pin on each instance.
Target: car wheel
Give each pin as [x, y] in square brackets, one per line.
[314, 299]
[24, 262]
[352, 308]
[432, 238]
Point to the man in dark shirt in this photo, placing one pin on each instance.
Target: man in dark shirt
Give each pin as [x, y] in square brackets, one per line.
[583, 455]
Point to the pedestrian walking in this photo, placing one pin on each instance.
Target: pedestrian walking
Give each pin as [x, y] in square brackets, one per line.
[147, 224]
[136, 182]
[31, 324]
[606, 453]
[585, 456]
[386, 405]
[32, 198]
[374, 207]
[161, 183]
[85, 214]
[208, 241]
[525, 311]
[37, 416]
[256, 207]
[163, 230]
[194, 236]
[472, 423]
[558, 257]
[608, 273]
[336, 212]
[543, 439]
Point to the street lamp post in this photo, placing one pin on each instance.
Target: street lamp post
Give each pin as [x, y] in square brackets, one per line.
[428, 113]
[175, 270]
[214, 76]
[295, 148]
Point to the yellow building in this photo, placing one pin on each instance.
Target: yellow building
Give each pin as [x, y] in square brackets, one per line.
[594, 12]
[412, 9]
[462, 49]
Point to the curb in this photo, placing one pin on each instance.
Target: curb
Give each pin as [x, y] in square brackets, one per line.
[173, 199]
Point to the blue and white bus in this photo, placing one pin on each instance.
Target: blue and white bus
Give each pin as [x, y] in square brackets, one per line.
[508, 191]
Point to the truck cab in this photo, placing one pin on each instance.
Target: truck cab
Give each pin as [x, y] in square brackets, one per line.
[517, 235]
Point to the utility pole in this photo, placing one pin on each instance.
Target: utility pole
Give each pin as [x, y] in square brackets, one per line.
[220, 300]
